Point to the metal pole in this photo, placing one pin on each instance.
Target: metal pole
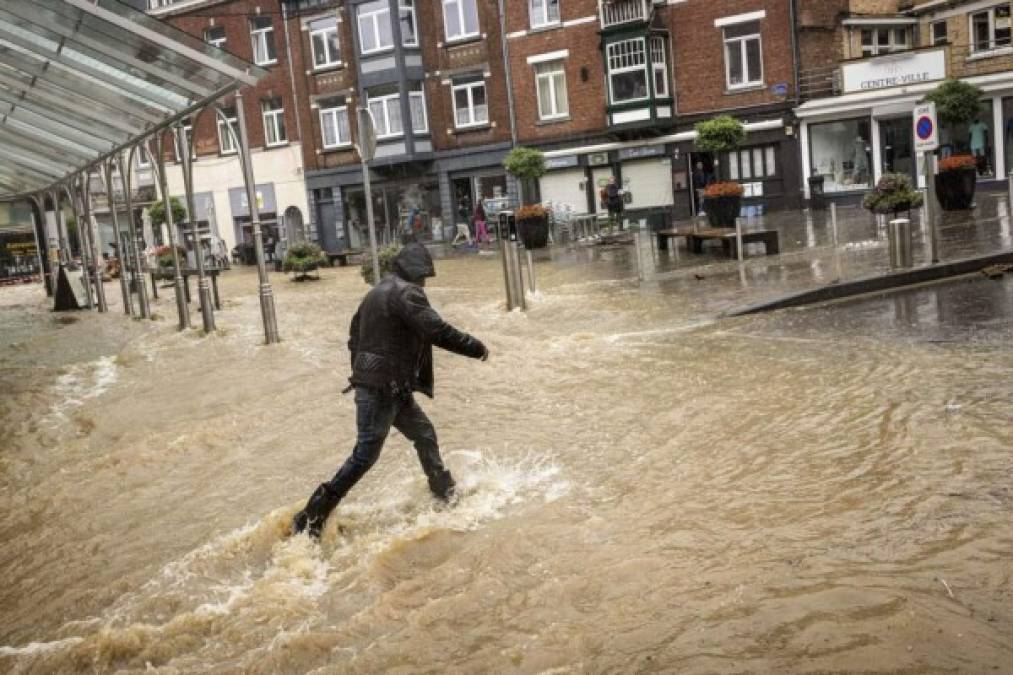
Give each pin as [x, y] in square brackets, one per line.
[1009, 196]
[266, 294]
[203, 288]
[182, 309]
[63, 240]
[930, 192]
[128, 308]
[368, 191]
[81, 245]
[138, 272]
[836, 240]
[501, 239]
[93, 237]
[39, 220]
[532, 286]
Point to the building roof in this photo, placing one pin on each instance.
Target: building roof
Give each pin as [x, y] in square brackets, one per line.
[82, 79]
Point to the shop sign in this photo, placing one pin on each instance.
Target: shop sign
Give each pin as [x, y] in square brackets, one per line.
[265, 200]
[560, 162]
[779, 89]
[598, 159]
[643, 151]
[894, 70]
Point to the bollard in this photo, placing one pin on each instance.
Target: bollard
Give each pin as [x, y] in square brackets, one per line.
[507, 237]
[1009, 193]
[899, 234]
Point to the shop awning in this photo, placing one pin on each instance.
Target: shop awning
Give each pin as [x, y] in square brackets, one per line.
[83, 79]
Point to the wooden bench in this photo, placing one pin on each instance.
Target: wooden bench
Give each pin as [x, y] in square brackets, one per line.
[664, 235]
[726, 235]
[340, 256]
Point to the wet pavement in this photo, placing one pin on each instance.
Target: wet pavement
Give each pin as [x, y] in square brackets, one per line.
[645, 486]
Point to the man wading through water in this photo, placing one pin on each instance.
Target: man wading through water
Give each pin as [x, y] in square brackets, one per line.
[391, 340]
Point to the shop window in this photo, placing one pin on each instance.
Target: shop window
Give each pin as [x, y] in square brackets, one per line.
[417, 103]
[751, 163]
[627, 70]
[470, 106]
[743, 55]
[460, 19]
[215, 36]
[409, 24]
[262, 36]
[939, 36]
[841, 152]
[976, 138]
[334, 126]
[543, 12]
[324, 43]
[374, 26]
[386, 113]
[659, 66]
[274, 122]
[990, 29]
[550, 83]
[877, 41]
[227, 135]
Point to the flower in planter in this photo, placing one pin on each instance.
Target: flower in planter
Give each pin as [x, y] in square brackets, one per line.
[531, 212]
[723, 189]
[892, 194]
[958, 163]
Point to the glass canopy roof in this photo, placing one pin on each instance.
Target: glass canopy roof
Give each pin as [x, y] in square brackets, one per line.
[80, 80]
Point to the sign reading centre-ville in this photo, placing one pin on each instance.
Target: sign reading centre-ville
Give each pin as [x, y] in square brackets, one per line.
[894, 70]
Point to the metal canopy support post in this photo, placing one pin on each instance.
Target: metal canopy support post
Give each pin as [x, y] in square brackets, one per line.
[182, 309]
[81, 244]
[128, 306]
[93, 242]
[266, 294]
[138, 271]
[203, 289]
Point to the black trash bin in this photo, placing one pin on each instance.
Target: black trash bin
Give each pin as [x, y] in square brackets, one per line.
[817, 201]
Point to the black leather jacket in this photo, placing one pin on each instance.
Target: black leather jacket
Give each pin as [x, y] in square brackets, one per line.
[394, 329]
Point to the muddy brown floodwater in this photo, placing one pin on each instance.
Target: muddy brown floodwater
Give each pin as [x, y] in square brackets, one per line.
[644, 489]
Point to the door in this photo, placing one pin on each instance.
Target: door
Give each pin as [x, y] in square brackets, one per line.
[294, 232]
[896, 144]
[599, 179]
[327, 226]
[649, 182]
[565, 188]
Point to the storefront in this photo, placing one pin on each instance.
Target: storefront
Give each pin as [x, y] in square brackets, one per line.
[850, 141]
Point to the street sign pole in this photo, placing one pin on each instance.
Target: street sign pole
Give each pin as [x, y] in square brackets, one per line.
[367, 149]
[926, 142]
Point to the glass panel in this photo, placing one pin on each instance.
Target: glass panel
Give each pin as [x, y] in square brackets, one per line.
[732, 161]
[545, 97]
[758, 162]
[733, 54]
[1002, 26]
[408, 34]
[629, 86]
[384, 29]
[327, 127]
[744, 164]
[478, 99]
[461, 106]
[742, 29]
[559, 82]
[344, 132]
[755, 73]
[771, 169]
[897, 146]
[841, 152]
[394, 115]
[451, 19]
[418, 107]
[379, 121]
[470, 16]
[980, 32]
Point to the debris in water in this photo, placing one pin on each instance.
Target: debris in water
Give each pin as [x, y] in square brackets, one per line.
[945, 585]
[953, 406]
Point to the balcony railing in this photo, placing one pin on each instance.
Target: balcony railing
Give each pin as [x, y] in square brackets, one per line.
[619, 12]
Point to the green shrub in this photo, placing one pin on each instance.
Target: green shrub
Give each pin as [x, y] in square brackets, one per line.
[723, 133]
[386, 255]
[892, 194]
[303, 257]
[157, 212]
[525, 163]
[957, 102]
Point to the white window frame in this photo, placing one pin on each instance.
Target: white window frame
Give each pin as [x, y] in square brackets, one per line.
[538, 11]
[742, 41]
[558, 71]
[373, 17]
[229, 147]
[470, 87]
[992, 43]
[932, 32]
[659, 62]
[261, 35]
[179, 144]
[386, 100]
[459, 4]
[142, 158]
[332, 28]
[418, 94]
[219, 43]
[332, 114]
[271, 119]
[409, 7]
[612, 57]
[892, 46]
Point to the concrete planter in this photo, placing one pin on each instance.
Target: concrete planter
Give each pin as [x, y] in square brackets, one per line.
[955, 189]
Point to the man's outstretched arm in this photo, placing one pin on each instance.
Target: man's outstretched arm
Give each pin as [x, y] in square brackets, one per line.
[417, 312]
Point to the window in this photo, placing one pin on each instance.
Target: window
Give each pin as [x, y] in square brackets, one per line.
[386, 112]
[939, 33]
[990, 29]
[550, 83]
[183, 135]
[334, 128]
[543, 12]
[215, 36]
[841, 152]
[470, 107]
[262, 35]
[324, 42]
[884, 40]
[460, 19]
[751, 163]
[143, 158]
[274, 122]
[374, 26]
[627, 70]
[226, 141]
[743, 55]
[409, 26]
[659, 66]
[417, 103]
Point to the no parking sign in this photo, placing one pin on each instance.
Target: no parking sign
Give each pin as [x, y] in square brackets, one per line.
[926, 128]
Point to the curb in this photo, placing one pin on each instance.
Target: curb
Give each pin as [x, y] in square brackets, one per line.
[876, 284]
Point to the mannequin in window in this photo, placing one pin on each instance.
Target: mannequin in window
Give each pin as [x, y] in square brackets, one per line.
[978, 137]
[859, 162]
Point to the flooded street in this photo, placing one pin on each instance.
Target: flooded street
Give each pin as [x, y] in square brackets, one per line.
[643, 488]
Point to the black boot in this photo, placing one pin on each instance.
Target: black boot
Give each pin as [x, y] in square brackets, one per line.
[313, 517]
[443, 486]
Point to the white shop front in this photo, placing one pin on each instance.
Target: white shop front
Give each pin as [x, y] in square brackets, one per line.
[849, 141]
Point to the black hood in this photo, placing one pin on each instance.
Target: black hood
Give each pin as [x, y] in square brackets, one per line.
[414, 263]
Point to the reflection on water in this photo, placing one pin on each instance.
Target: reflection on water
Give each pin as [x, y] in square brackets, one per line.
[643, 488]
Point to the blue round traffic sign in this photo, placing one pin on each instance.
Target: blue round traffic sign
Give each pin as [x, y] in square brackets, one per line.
[924, 128]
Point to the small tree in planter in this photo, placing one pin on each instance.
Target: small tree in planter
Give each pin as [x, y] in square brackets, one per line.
[528, 165]
[386, 257]
[165, 264]
[303, 258]
[723, 198]
[157, 212]
[892, 195]
[957, 102]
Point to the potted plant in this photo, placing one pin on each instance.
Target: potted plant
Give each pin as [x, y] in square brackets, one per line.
[957, 102]
[165, 263]
[892, 195]
[157, 213]
[386, 256]
[723, 198]
[528, 165]
[303, 258]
